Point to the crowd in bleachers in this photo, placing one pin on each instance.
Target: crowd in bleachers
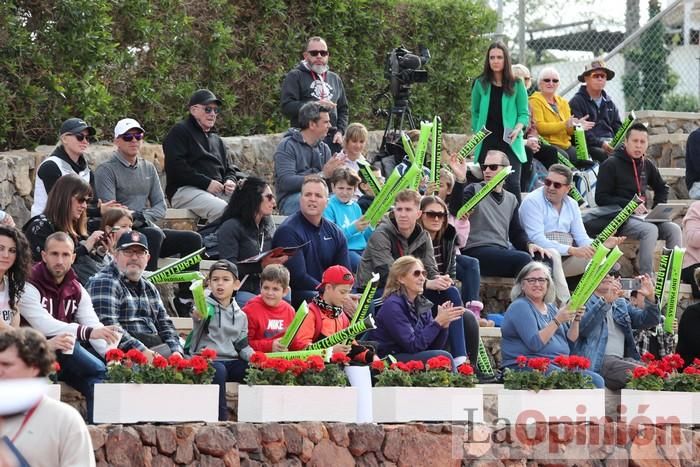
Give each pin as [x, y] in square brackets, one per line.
[94, 236]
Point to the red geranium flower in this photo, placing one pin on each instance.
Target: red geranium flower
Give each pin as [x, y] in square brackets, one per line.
[439, 363]
[378, 365]
[648, 357]
[340, 358]
[160, 362]
[257, 358]
[199, 364]
[315, 363]
[182, 364]
[539, 364]
[639, 372]
[136, 356]
[114, 355]
[174, 359]
[674, 361]
[399, 366]
[298, 366]
[696, 362]
[209, 354]
[521, 360]
[415, 365]
[56, 367]
[578, 362]
[691, 370]
[562, 361]
[465, 369]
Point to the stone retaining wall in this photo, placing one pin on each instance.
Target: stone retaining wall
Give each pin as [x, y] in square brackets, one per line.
[341, 445]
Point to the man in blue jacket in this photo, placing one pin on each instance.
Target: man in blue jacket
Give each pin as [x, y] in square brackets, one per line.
[605, 333]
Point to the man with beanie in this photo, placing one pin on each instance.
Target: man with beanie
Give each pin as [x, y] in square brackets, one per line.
[200, 175]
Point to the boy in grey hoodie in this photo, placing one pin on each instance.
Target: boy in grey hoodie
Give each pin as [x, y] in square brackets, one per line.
[224, 329]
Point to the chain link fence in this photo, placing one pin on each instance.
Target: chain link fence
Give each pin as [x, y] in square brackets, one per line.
[657, 64]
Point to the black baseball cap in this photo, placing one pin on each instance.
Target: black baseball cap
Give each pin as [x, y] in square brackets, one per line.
[224, 265]
[133, 238]
[75, 126]
[202, 97]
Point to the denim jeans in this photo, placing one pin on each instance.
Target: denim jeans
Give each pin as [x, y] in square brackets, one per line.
[231, 371]
[290, 204]
[498, 261]
[456, 339]
[81, 370]
[469, 274]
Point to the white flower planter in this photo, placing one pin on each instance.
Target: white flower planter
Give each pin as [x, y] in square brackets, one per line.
[134, 403]
[54, 391]
[555, 405]
[399, 404]
[660, 407]
[296, 404]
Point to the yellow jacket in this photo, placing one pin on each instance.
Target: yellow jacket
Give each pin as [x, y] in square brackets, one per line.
[550, 125]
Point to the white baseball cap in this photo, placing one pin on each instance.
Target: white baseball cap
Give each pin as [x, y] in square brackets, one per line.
[125, 125]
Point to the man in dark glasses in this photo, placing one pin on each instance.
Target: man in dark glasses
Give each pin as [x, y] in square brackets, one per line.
[134, 183]
[311, 80]
[198, 167]
[592, 100]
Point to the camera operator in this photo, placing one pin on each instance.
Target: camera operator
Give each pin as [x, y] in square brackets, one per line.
[311, 80]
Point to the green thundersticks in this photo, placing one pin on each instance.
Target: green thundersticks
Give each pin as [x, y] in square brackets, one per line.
[294, 326]
[565, 161]
[436, 155]
[365, 301]
[617, 221]
[426, 129]
[378, 200]
[385, 199]
[368, 177]
[573, 192]
[473, 142]
[346, 334]
[622, 131]
[594, 275]
[483, 192]
[325, 354]
[180, 277]
[176, 267]
[543, 141]
[408, 146]
[200, 300]
[483, 361]
[581, 145]
[672, 305]
[662, 275]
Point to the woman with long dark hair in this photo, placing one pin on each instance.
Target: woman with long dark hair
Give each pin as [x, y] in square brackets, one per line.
[499, 103]
[15, 261]
[246, 231]
[66, 211]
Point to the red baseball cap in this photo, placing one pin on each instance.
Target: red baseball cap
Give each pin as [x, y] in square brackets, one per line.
[337, 275]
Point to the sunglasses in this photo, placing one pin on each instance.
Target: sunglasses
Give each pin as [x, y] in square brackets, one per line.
[269, 196]
[83, 199]
[557, 185]
[81, 137]
[599, 75]
[208, 110]
[491, 166]
[550, 80]
[535, 280]
[420, 272]
[435, 214]
[316, 53]
[132, 136]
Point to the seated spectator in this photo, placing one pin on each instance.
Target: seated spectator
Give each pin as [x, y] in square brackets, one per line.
[121, 296]
[73, 140]
[443, 236]
[247, 229]
[533, 326]
[66, 211]
[50, 433]
[691, 241]
[115, 222]
[688, 346]
[268, 314]
[400, 234]
[344, 212]
[367, 196]
[406, 328]
[199, 172]
[496, 237]
[326, 316]
[653, 340]
[15, 260]
[302, 152]
[629, 172]
[552, 220]
[6, 219]
[692, 164]
[325, 244]
[224, 330]
[56, 305]
[553, 114]
[605, 332]
[354, 145]
[134, 183]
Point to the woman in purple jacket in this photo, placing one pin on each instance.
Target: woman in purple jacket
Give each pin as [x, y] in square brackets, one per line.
[405, 325]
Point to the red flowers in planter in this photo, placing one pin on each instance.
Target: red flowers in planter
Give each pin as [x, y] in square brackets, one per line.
[665, 374]
[134, 367]
[312, 371]
[436, 372]
[533, 373]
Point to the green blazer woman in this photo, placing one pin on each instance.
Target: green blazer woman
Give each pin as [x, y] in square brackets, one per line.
[514, 111]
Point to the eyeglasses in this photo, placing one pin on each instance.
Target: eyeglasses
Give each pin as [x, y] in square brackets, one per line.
[269, 196]
[83, 199]
[550, 80]
[599, 76]
[435, 214]
[420, 272]
[81, 137]
[557, 185]
[491, 166]
[208, 110]
[316, 53]
[536, 280]
[128, 137]
[135, 253]
[527, 78]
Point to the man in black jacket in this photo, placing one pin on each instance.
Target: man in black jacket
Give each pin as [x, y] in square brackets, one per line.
[200, 176]
[311, 80]
[591, 100]
[627, 173]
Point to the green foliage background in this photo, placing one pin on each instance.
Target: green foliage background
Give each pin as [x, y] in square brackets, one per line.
[106, 59]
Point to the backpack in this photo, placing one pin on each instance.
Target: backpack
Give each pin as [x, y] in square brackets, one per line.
[537, 176]
[585, 182]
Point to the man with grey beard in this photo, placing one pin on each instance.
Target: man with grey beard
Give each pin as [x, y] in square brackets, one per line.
[311, 80]
[120, 295]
